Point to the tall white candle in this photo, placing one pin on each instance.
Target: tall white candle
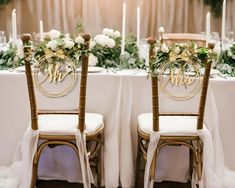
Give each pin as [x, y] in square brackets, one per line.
[208, 27]
[123, 28]
[14, 28]
[223, 20]
[41, 30]
[138, 26]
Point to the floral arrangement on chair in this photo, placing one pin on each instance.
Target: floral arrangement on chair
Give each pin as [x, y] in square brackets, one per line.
[12, 57]
[177, 55]
[226, 63]
[56, 46]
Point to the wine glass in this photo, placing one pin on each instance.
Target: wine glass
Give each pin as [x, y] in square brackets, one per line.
[230, 37]
[216, 37]
[2, 40]
[144, 50]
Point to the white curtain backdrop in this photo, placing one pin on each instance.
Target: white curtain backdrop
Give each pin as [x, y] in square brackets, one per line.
[174, 15]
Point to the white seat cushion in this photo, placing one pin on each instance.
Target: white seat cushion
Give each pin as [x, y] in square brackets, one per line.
[169, 125]
[67, 124]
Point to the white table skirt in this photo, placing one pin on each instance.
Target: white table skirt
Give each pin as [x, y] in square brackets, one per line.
[119, 98]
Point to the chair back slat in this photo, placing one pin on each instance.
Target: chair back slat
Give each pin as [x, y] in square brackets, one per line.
[155, 100]
[83, 85]
[202, 104]
[27, 58]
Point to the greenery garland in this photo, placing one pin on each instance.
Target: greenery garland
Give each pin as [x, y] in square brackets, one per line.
[216, 6]
[226, 61]
[4, 3]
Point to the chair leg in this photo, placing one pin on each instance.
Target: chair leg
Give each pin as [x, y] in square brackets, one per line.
[34, 172]
[199, 164]
[99, 165]
[138, 163]
[153, 166]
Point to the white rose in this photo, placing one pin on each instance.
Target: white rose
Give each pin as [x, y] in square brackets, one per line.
[79, 40]
[104, 40]
[108, 32]
[92, 60]
[164, 48]
[117, 34]
[230, 54]
[161, 30]
[68, 43]
[54, 34]
[52, 45]
[177, 50]
[110, 43]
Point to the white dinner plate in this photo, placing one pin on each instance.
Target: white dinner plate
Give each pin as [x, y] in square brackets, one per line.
[213, 71]
[20, 69]
[167, 72]
[93, 69]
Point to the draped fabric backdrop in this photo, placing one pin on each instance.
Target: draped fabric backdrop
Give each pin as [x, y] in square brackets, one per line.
[174, 15]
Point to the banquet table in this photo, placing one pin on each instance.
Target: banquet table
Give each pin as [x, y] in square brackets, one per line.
[119, 97]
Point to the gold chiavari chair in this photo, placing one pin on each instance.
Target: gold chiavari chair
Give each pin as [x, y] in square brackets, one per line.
[175, 129]
[58, 127]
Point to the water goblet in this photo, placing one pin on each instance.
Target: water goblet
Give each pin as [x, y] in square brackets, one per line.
[2, 40]
[230, 36]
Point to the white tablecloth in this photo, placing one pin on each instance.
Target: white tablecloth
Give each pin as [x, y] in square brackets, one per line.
[119, 98]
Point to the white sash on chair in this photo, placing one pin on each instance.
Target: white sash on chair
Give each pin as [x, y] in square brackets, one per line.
[85, 166]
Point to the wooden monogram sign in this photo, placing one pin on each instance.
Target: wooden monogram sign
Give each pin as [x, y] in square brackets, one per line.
[55, 77]
[180, 81]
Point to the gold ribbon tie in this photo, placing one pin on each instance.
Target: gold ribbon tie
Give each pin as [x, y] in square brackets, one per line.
[59, 53]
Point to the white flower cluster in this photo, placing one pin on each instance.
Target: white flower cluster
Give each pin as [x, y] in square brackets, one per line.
[54, 34]
[79, 40]
[52, 45]
[66, 41]
[111, 33]
[104, 40]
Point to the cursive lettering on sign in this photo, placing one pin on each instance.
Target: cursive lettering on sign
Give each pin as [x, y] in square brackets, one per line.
[179, 78]
[55, 74]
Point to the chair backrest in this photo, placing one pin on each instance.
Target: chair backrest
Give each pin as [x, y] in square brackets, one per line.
[172, 39]
[31, 84]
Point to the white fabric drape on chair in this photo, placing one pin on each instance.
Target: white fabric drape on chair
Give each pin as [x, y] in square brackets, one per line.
[174, 15]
